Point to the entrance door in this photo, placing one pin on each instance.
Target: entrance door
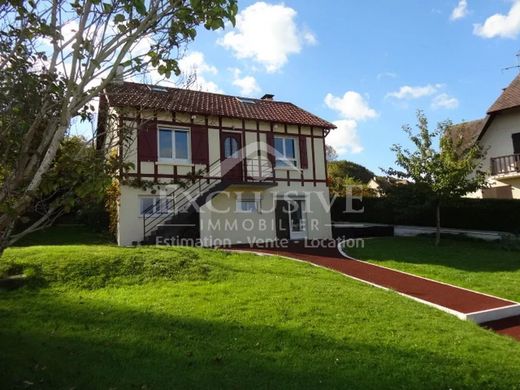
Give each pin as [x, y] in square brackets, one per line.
[297, 223]
[231, 156]
[282, 220]
[290, 219]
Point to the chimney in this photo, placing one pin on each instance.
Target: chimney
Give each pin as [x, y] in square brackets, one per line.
[267, 96]
[119, 76]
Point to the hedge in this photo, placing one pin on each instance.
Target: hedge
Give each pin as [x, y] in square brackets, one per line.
[478, 214]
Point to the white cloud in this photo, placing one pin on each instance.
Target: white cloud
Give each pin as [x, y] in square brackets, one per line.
[268, 34]
[445, 101]
[409, 92]
[502, 26]
[351, 106]
[345, 138]
[247, 84]
[460, 11]
[195, 64]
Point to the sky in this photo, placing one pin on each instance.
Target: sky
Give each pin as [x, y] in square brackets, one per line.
[366, 66]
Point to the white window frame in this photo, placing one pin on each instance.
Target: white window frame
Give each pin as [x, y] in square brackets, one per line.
[157, 205]
[241, 202]
[290, 163]
[173, 130]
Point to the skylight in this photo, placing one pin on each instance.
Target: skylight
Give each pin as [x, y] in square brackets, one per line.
[157, 88]
[246, 100]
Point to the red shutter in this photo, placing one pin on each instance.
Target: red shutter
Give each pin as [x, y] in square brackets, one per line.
[270, 148]
[199, 145]
[304, 163]
[147, 141]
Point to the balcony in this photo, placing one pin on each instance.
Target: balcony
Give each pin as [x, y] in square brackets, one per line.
[505, 165]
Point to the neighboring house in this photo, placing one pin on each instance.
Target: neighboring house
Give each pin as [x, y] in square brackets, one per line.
[499, 134]
[381, 184]
[215, 168]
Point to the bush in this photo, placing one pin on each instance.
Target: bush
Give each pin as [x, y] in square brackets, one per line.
[478, 214]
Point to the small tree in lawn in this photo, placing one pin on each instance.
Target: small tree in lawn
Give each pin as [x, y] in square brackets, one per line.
[449, 171]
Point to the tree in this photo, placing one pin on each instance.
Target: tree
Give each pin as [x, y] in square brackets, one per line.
[344, 168]
[330, 153]
[347, 174]
[57, 56]
[449, 171]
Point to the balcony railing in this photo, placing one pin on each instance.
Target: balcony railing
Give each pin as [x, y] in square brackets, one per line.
[505, 165]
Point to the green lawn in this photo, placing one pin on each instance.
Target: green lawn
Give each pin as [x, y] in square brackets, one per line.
[99, 316]
[473, 264]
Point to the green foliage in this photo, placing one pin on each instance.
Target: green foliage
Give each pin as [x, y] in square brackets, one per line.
[346, 174]
[449, 171]
[43, 173]
[350, 169]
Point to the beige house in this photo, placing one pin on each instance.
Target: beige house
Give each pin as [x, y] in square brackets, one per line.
[499, 134]
[214, 169]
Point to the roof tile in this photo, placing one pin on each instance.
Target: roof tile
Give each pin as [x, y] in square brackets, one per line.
[128, 94]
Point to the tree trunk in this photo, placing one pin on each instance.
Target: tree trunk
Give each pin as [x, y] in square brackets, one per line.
[437, 223]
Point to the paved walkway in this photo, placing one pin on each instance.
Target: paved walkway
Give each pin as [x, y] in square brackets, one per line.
[499, 314]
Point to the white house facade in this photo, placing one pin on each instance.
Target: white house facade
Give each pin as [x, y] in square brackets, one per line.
[214, 169]
[499, 134]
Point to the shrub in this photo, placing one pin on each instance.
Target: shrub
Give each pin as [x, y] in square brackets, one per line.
[479, 214]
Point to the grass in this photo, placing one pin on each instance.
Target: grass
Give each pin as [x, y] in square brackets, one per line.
[98, 316]
[473, 264]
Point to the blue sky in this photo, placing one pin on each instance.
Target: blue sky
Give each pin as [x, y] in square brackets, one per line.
[367, 65]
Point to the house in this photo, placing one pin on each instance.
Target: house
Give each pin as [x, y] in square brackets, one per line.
[214, 169]
[499, 134]
[381, 184]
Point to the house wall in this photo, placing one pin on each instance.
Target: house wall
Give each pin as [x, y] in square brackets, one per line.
[309, 182]
[218, 227]
[220, 213]
[498, 142]
[252, 132]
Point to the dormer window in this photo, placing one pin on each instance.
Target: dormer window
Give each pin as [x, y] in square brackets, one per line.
[246, 100]
[157, 88]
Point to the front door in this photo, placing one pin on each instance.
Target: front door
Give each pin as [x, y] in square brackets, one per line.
[290, 219]
[297, 222]
[231, 156]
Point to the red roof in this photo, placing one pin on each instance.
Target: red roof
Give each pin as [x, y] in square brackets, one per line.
[510, 97]
[184, 100]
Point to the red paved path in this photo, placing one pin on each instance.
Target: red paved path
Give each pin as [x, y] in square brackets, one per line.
[451, 297]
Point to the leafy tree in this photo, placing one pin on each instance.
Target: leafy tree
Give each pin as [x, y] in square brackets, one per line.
[330, 153]
[449, 171]
[56, 57]
[343, 169]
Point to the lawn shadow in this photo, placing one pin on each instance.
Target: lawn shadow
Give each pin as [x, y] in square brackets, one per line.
[66, 235]
[87, 345]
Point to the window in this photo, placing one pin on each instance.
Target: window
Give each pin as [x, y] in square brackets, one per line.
[174, 144]
[246, 100]
[230, 147]
[285, 152]
[246, 205]
[153, 205]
